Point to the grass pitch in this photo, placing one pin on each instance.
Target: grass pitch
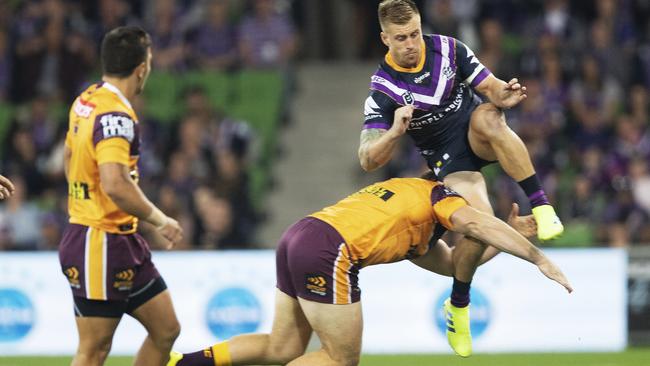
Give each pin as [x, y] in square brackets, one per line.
[632, 357]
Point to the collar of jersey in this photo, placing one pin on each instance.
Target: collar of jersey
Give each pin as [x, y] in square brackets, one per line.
[117, 91]
[418, 68]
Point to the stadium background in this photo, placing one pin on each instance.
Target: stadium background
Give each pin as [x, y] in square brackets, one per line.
[251, 116]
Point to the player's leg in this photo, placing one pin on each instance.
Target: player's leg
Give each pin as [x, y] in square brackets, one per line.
[491, 139]
[288, 339]
[83, 253]
[339, 329]
[466, 258]
[95, 339]
[159, 319]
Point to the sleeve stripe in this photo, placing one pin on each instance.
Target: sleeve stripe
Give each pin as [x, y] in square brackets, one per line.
[382, 125]
[471, 78]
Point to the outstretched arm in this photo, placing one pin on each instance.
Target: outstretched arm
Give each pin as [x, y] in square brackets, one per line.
[439, 258]
[492, 231]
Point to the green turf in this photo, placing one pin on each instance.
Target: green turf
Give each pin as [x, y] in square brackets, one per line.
[634, 357]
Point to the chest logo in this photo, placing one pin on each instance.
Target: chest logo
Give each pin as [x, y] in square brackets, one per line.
[408, 98]
[448, 72]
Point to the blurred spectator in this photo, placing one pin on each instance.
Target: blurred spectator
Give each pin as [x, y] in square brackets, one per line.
[214, 43]
[595, 98]
[167, 40]
[266, 38]
[492, 53]
[19, 218]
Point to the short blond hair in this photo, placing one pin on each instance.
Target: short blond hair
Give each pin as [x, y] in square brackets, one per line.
[396, 12]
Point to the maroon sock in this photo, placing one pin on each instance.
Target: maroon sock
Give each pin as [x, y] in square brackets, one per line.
[200, 358]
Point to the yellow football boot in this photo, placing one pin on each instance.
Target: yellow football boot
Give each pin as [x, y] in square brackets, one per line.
[549, 225]
[458, 332]
[174, 357]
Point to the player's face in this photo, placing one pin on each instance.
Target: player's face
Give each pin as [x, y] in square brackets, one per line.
[145, 73]
[404, 42]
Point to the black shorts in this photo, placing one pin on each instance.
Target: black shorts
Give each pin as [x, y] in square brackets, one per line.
[456, 155]
[84, 307]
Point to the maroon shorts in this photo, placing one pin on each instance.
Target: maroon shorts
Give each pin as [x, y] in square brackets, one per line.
[313, 263]
[105, 266]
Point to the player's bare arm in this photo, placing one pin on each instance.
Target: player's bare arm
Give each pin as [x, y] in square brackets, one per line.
[6, 188]
[439, 258]
[502, 94]
[377, 145]
[492, 231]
[120, 187]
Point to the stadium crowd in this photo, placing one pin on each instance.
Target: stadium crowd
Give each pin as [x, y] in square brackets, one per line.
[585, 122]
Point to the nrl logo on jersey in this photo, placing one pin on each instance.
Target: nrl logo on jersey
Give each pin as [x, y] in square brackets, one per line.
[408, 98]
[420, 79]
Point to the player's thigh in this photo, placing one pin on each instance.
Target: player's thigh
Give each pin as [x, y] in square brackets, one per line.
[157, 315]
[95, 333]
[485, 122]
[470, 185]
[339, 327]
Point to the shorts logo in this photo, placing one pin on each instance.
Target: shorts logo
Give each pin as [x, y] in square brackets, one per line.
[124, 279]
[316, 284]
[72, 273]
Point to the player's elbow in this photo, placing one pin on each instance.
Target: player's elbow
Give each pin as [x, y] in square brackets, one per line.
[114, 188]
[466, 221]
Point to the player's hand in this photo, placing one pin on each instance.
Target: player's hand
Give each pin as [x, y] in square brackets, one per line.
[525, 225]
[512, 94]
[172, 231]
[6, 188]
[401, 120]
[550, 270]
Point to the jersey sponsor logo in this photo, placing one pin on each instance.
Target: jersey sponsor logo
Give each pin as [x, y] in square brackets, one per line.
[431, 118]
[123, 279]
[420, 79]
[17, 315]
[79, 190]
[316, 284]
[83, 108]
[117, 125]
[232, 311]
[72, 274]
[378, 191]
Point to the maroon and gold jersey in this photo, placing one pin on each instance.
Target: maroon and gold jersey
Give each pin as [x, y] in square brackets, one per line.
[392, 220]
[103, 128]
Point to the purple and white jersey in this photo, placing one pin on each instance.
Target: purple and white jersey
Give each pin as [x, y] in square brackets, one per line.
[437, 88]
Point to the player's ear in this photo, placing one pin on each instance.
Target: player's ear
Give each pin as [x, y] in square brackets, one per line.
[384, 38]
[141, 70]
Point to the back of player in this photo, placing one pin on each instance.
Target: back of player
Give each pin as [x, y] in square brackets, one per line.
[107, 263]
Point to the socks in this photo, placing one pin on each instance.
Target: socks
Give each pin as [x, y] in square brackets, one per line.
[533, 189]
[460, 293]
[217, 355]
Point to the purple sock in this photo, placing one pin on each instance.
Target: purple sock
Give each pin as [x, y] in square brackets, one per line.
[533, 189]
[460, 293]
[200, 358]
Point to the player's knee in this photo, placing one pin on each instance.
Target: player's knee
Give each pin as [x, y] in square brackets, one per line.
[489, 121]
[166, 336]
